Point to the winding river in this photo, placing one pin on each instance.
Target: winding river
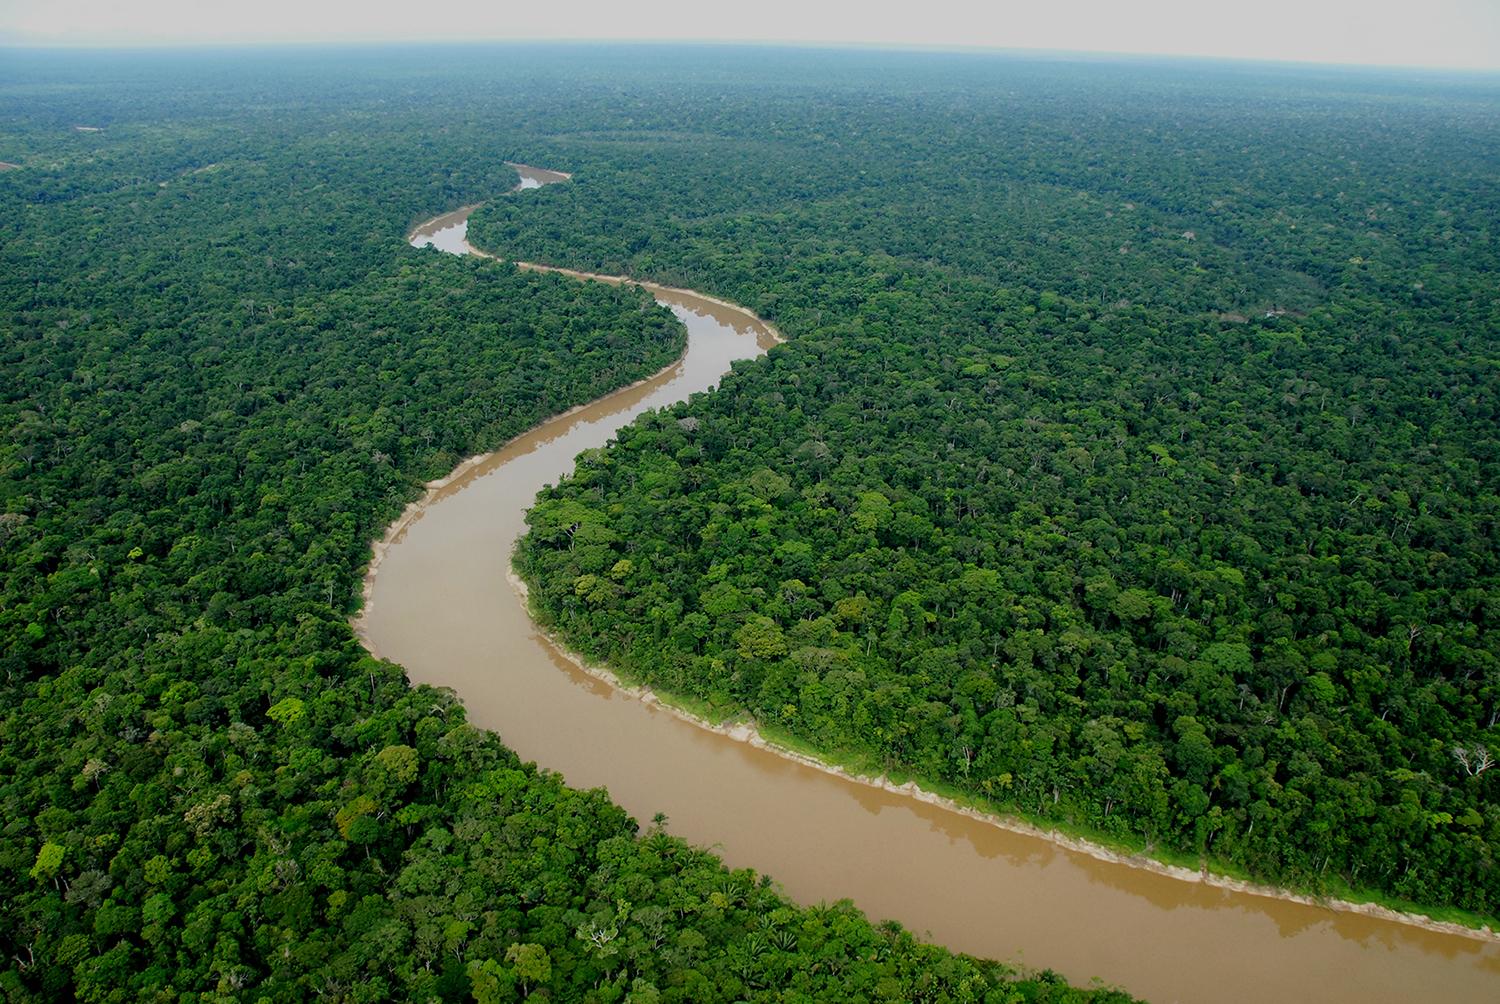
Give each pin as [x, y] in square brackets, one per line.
[440, 601]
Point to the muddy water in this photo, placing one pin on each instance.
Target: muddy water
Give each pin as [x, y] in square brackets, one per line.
[442, 606]
[450, 232]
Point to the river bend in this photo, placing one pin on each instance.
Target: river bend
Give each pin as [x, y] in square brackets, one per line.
[440, 601]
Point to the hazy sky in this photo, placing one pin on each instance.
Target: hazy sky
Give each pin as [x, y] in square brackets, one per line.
[1447, 33]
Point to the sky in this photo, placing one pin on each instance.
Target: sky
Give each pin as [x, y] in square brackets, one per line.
[1426, 33]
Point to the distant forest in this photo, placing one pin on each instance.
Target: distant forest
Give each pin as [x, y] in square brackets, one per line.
[224, 373]
[1131, 466]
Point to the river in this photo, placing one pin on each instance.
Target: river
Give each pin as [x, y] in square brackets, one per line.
[440, 602]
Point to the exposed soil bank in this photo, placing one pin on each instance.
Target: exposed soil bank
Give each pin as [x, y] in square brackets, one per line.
[748, 732]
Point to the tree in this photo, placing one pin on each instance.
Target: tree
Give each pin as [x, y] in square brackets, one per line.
[532, 965]
[1475, 759]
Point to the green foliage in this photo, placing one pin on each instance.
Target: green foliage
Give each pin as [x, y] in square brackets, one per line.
[225, 373]
[287, 710]
[1136, 463]
[49, 859]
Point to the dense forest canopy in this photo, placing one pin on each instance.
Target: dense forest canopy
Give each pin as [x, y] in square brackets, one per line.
[1132, 465]
[224, 373]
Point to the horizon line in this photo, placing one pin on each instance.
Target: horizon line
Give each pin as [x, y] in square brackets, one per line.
[953, 48]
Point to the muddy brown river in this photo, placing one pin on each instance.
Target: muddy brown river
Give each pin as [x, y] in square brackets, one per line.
[440, 602]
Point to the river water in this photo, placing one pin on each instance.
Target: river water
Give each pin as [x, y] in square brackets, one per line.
[441, 604]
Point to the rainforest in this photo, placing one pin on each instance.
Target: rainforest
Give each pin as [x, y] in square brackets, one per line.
[1129, 468]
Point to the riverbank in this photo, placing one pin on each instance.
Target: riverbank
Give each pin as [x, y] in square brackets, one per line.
[970, 875]
[750, 732]
[434, 489]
